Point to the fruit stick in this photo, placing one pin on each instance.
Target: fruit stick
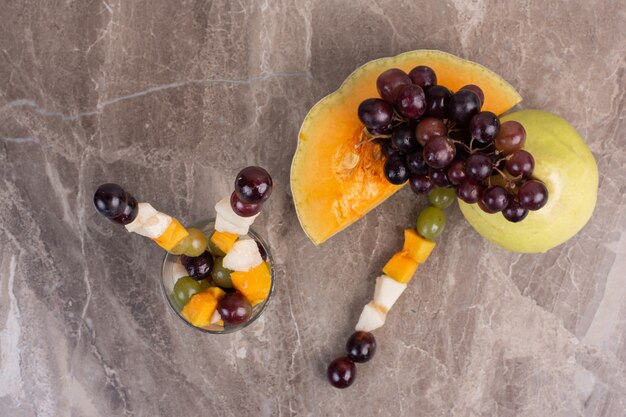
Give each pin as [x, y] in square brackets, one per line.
[121, 207]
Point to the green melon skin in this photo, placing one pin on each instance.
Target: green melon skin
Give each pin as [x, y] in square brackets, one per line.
[567, 167]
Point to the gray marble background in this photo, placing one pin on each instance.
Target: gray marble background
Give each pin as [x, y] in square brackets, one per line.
[172, 98]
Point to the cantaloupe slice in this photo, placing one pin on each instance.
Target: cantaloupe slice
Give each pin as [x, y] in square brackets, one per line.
[333, 181]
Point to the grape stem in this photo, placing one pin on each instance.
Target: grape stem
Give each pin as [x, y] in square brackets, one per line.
[510, 182]
[367, 137]
[458, 142]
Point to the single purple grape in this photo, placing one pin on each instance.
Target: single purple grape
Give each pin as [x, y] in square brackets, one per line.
[389, 82]
[423, 76]
[411, 101]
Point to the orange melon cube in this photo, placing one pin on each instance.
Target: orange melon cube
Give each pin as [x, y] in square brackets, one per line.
[400, 267]
[416, 246]
[200, 308]
[174, 233]
[224, 240]
[216, 292]
[254, 284]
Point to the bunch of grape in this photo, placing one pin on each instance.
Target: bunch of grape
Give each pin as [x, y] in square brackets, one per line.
[431, 136]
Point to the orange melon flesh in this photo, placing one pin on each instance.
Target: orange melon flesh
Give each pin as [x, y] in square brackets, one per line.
[334, 181]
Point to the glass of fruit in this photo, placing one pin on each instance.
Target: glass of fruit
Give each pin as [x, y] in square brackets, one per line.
[204, 276]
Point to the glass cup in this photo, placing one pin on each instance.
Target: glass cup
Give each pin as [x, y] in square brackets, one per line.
[168, 280]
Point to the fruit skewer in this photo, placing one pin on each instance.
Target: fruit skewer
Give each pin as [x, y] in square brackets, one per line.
[397, 272]
[207, 268]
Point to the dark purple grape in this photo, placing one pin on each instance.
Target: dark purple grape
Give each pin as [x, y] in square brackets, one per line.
[388, 150]
[389, 82]
[129, 213]
[253, 185]
[495, 199]
[341, 372]
[423, 76]
[430, 128]
[416, 164]
[532, 195]
[243, 209]
[437, 98]
[463, 105]
[456, 172]
[361, 346]
[469, 191]
[439, 177]
[512, 137]
[375, 113]
[439, 152]
[484, 127]
[421, 184]
[114, 203]
[478, 166]
[520, 164]
[411, 101]
[403, 139]
[234, 308]
[396, 170]
[514, 212]
[476, 90]
[198, 267]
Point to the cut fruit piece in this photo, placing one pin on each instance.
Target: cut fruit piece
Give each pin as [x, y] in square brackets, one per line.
[144, 212]
[243, 256]
[199, 310]
[335, 181]
[224, 226]
[174, 233]
[416, 246]
[155, 226]
[216, 318]
[400, 267]
[216, 292]
[372, 317]
[255, 284]
[387, 291]
[224, 240]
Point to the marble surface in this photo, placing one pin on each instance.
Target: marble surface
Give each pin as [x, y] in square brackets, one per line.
[172, 98]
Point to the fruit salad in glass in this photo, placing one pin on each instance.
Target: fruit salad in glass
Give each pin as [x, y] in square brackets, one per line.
[217, 276]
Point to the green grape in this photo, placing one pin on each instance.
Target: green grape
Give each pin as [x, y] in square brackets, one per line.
[205, 284]
[221, 275]
[431, 222]
[182, 246]
[198, 243]
[184, 289]
[215, 251]
[442, 197]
